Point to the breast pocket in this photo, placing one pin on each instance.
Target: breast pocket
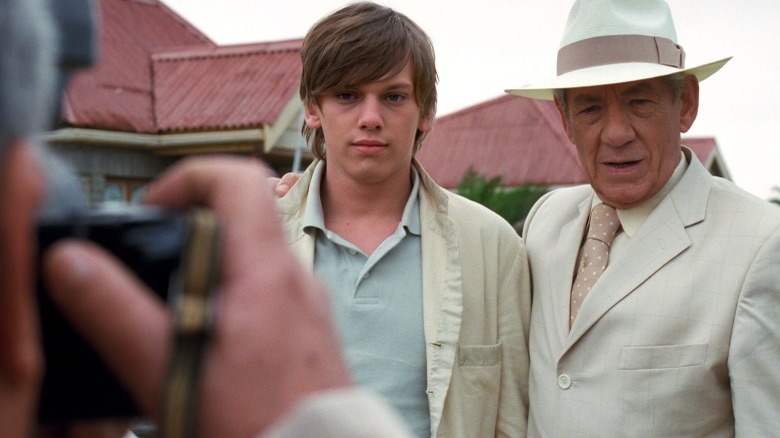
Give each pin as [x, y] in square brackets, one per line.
[658, 357]
[479, 355]
[475, 388]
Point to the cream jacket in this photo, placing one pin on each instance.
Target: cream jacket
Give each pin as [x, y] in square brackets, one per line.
[476, 310]
[680, 337]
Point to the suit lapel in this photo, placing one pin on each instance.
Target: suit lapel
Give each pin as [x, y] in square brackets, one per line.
[660, 239]
[566, 249]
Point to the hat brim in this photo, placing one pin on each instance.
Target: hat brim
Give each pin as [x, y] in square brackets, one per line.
[611, 74]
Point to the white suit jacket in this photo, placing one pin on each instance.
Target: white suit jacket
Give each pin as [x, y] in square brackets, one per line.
[679, 338]
[476, 310]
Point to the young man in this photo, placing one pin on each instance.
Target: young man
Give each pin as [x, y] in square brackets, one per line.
[680, 335]
[429, 290]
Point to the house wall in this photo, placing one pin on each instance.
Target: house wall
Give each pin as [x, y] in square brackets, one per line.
[96, 164]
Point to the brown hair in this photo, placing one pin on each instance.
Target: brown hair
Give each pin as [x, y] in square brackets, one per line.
[362, 43]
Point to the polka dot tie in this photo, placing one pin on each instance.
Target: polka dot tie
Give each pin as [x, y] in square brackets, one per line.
[604, 224]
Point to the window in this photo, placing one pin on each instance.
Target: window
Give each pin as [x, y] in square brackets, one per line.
[119, 191]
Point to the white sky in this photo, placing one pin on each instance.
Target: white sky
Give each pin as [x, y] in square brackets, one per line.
[485, 46]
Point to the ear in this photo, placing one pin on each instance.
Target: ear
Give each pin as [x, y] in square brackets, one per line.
[312, 116]
[689, 103]
[425, 124]
[564, 119]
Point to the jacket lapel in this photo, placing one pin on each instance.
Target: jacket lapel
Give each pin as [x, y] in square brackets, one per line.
[566, 249]
[660, 239]
[292, 209]
[442, 290]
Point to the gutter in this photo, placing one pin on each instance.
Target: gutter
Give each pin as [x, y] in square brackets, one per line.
[163, 144]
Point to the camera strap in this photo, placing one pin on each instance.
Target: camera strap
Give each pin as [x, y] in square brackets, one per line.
[192, 301]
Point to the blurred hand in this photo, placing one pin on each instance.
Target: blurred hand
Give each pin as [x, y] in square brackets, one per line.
[284, 184]
[21, 359]
[274, 343]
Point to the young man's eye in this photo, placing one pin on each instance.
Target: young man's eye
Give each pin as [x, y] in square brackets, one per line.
[395, 97]
[345, 95]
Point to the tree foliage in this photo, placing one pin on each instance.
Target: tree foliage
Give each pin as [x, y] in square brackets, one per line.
[513, 204]
[775, 199]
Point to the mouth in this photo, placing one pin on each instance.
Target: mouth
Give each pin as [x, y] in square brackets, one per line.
[369, 143]
[368, 146]
[622, 164]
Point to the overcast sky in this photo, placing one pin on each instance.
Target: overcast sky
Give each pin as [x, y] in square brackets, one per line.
[485, 46]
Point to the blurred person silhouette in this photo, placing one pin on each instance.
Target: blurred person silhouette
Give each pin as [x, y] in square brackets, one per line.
[274, 365]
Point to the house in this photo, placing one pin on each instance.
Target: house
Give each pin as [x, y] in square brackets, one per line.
[161, 90]
[521, 140]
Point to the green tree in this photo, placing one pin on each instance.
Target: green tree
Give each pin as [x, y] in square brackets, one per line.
[775, 199]
[513, 204]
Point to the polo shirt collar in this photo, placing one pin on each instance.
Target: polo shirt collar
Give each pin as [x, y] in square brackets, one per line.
[314, 218]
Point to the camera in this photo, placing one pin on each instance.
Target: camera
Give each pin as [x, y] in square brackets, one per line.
[164, 249]
[77, 384]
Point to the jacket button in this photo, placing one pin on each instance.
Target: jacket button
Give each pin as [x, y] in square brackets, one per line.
[564, 381]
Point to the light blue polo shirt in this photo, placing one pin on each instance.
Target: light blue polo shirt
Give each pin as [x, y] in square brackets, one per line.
[377, 305]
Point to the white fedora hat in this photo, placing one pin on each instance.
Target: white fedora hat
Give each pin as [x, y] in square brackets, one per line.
[614, 41]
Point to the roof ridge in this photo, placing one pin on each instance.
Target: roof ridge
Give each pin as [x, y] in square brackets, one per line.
[235, 50]
[189, 27]
[473, 108]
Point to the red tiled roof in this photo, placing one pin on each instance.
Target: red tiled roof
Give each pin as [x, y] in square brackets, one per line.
[519, 138]
[225, 87]
[703, 147]
[116, 94]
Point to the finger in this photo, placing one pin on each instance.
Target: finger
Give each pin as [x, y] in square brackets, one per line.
[274, 182]
[98, 429]
[285, 183]
[22, 190]
[85, 429]
[290, 178]
[127, 325]
[281, 189]
[237, 191]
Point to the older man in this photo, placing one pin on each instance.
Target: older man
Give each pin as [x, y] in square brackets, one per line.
[680, 335]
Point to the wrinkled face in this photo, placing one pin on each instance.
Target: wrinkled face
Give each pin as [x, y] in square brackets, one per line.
[628, 135]
[370, 129]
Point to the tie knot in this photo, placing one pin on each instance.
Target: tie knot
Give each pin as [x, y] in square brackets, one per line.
[604, 223]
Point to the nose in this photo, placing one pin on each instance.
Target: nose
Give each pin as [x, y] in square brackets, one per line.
[371, 113]
[617, 130]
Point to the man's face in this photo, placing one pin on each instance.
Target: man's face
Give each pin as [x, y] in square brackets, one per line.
[628, 135]
[370, 129]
